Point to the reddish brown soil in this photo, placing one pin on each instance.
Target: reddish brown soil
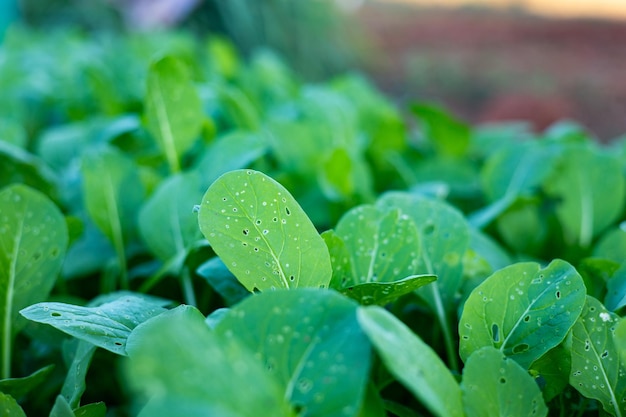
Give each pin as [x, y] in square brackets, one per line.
[496, 66]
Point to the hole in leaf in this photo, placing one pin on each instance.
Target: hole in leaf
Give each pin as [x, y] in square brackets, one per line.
[256, 249]
[605, 354]
[495, 332]
[234, 209]
[275, 219]
[587, 345]
[521, 348]
[245, 232]
[258, 221]
[118, 343]
[55, 314]
[287, 211]
[429, 229]
[527, 318]
[292, 278]
[503, 380]
[558, 295]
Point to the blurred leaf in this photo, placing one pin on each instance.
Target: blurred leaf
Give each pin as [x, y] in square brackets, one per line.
[449, 136]
[616, 289]
[19, 387]
[219, 277]
[10, 407]
[19, 166]
[173, 109]
[552, 370]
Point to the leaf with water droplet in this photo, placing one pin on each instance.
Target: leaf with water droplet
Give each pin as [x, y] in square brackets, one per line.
[262, 234]
[106, 326]
[310, 343]
[412, 362]
[522, 310]
[382, 293]
[598, 370]
[204, 373]
[495, 385]
[33, 241]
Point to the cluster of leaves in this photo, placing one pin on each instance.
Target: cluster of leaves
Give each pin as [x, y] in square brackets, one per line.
[163, 202]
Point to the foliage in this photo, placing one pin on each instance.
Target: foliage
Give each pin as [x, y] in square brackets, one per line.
[229, 240]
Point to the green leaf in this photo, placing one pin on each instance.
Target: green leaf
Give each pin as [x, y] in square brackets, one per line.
[61, 408]
[619, 338]
[612, 245]
[443, 235]
[167, 222]
[222, 281]
[382, 293]
[382, 245]
[412, 362]
[19, 387]
[173, 109]
[19, 166]
[234, 150]
[598, 371]
[261, 233]
[106, 326]
[311, 345]
[591, 189]
[449, 135]
[616, 289]
[33, 240]
[210, 371]
[91, 410]
[373, 405]
[9, 407]
[494, 385]
[552, 370]
[522, 310]
[336, 176]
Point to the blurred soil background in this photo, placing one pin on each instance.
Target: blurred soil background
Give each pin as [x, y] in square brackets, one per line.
[483, 64]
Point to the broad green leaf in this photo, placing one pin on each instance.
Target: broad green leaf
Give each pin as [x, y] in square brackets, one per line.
[261, 233]
[19, 387]
[311, 344]
[444, 238]
[234, 150]
[510, 172]
[382, 293]
[173, 109]
[616, 289]
[9, 407]
[106, 326]
[336, 175]
[81, 353]
[619, 338]
[61, 408]
[412, 362]
[522, 310]
[591, 189]
[33, 240]
[222, 281]
[204, 374]
[598, 371]
[113, 192]
[239, 108]
[449, 135]
[167, 222]
[612, 245]
[495, 385]
[552, 370]
[523, 226]
[382, 245]
[19, 166]
[596, 272]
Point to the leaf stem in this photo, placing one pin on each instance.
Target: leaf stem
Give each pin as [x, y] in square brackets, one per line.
[188, 291]
[445, 327]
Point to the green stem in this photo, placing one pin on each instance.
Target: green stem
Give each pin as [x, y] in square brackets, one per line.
[189, 294]
[445, 328]
[6, 348]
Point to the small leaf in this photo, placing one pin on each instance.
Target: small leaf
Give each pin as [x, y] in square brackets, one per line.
[311, 344]
[522, 310]
[598, 371]
[552, 370]
[204, 373]
[10, 407]
[19, 387]
[167, 222]
[261, 233]
[450, 136]
[382, 293]
[412, 362]
[222, 281]
[494, 385]
[106, 326]
[173, 109]
[74, 385]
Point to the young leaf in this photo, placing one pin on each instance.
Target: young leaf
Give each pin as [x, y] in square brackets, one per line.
[10, 407]
[74, 385]
[552, 370]
[33, 240]
[19, 387]
[312, 345]
[173, 109]
[382, 293]
[261, 233]
[591, 188]
[494, 385]
[522, 310]
[210, 372]
[598, 371]
[412, 361]
[167, 222]
[106, 326]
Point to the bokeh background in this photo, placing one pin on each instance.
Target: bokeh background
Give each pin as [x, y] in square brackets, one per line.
[485, 60]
